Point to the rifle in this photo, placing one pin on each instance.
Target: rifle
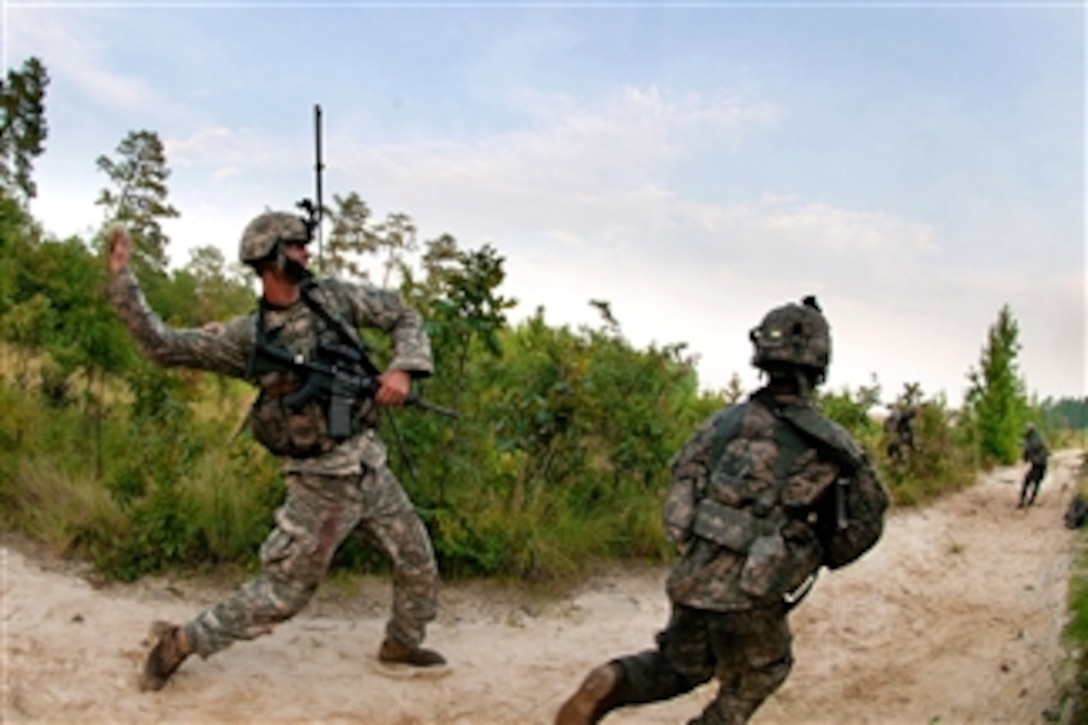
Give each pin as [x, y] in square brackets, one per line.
[336, 374]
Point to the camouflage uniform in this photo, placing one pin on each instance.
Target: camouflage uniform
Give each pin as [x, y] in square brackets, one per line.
[899, 428]
[331, 490]
[1036, 454]
[762, 495]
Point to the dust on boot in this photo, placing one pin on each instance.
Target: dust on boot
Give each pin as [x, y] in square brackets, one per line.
[169, 648]
[591, 701]
[398, 653]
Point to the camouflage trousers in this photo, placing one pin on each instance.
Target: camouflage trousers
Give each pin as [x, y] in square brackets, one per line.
[317, 515]
[749, 652]
[1029, 489]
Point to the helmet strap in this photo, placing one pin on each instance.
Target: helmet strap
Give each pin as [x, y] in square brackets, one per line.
[792, 379]
[288, 267]
[804, 387]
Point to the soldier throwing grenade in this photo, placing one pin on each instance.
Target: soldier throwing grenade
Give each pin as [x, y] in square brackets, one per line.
[764, 493]
[333, 483]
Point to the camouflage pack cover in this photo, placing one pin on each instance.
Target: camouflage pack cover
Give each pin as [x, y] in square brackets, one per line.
[794, 334]
[865, 502]
[762, 495]
[260, 237]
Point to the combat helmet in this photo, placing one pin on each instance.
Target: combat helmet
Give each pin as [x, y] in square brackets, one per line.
[261, 237]
[794, 335]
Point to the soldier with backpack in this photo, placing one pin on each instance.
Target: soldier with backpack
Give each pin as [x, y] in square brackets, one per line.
[763, 495]
[899, 431]
[1035, 454]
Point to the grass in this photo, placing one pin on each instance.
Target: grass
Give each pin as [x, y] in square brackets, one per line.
[60, 507]
[137, 491]
[1075, 634]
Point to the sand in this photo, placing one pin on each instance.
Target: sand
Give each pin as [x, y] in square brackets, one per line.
[955, 617]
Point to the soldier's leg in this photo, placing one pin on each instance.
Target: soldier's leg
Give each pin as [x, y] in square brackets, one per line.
[393, 525]
[318, 513]
[1038, 471]
[1025, 486]
[754, 654]
[682, 661]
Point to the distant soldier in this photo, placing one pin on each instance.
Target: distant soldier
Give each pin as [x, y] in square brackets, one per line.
[1035, 453]
[899, 429]
[765, 493]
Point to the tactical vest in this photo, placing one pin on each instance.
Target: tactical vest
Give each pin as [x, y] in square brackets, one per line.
[302, 432]
[786, 498]
[754, 507]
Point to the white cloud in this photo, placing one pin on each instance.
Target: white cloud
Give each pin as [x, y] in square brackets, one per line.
[221, 149]
[226, 172]
[580, 203]
[67, 211]
[620, 143]
[75, 52]
[644, 113]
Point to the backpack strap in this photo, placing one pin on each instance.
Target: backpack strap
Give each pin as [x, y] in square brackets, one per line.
[726, 427]
[829, 436]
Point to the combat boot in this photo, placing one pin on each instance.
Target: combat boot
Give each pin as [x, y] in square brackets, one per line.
[397, 653]
[589, 704]
[169, 649]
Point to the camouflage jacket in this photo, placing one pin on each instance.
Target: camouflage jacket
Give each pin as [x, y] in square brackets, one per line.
[753, 504]
[228, 351]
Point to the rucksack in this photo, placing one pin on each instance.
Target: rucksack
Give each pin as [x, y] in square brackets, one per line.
[860, 499]
[1077, 513]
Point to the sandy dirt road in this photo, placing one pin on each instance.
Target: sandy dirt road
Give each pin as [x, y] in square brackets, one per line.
[955, 617]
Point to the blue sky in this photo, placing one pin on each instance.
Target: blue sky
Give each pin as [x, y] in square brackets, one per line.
[914, 165]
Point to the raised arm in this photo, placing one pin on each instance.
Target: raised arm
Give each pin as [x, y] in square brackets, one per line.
[224, 350]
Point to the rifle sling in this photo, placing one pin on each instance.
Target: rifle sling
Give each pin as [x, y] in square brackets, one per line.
[332, 322]
[261, 342]
[339, 327]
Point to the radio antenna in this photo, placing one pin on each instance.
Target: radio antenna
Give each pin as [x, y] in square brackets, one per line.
[315, 208]
[319, 167]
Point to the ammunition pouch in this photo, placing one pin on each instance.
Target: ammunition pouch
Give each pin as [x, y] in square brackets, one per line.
[724, 525]
[779, 563]
[284, 431]
[775, 563]
[307, 407]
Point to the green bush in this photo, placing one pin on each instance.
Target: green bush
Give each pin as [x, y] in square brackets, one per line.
[938, 465]
[1075, 633]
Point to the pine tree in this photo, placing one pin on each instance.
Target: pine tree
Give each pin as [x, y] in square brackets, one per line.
[997, 396]
[350, 239]
[22, 126]
[138, 199]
